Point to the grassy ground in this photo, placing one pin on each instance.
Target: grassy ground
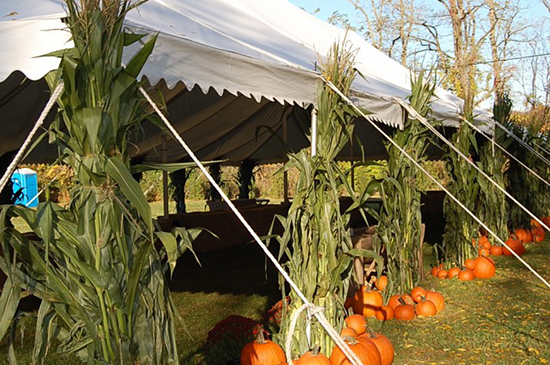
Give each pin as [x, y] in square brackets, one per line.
[504, 320]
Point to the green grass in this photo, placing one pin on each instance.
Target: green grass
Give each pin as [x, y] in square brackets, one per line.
[503, 320]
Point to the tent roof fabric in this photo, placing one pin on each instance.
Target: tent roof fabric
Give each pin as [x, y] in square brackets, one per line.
[265, 50]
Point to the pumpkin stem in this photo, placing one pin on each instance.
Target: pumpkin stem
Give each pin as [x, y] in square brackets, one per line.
[401, 301]
[349, 340]
[315, 350]
[260, 338]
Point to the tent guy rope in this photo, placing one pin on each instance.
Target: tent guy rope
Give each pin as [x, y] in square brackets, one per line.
[386, 136]
[523, 143]
[542, 148]
[19, 156]
[506, 152]
[423, 120]
[317, 313]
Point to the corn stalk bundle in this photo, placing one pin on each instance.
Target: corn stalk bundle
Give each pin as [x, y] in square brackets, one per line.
[460, 228]
[95, 264]
[316, 241]
[493, 210]
[399, 227]
[525, 187]
[245, 176]
[177, 180]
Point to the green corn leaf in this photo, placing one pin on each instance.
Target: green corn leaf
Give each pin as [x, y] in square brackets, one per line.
[171, 246]
[9, 300]
[186, 237]
[168, 167]
[131, 38]
[138, 61]
[45, 327]
[91, 119]
[130, 188]
[140, 260]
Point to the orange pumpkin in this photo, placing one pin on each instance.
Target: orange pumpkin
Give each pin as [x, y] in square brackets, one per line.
[262, 352]
[437, 299]
[482, 240]
[313, 357]
[515, 245]
[403, 312]
[442, 274]
[486, 245]
[466, 275]
[425, 308]
[536, 224]
[384, 345]
[372, 300]
[357, 322]
[381, 283]
[484, 269]
[524, 235]
[496, 250]
[483, 252]
[384, 313]
[394, 301]
[538, 234]
[348, 331]
[417, 293]
[453, 272]
[435, 269]
[367, 353]
[470, 264]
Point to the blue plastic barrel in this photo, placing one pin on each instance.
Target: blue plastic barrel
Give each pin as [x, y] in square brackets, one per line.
[26, 181]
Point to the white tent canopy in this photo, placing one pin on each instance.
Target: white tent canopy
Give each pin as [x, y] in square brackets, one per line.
[210, 54]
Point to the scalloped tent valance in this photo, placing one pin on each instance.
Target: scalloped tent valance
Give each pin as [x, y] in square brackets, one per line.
[235, 65]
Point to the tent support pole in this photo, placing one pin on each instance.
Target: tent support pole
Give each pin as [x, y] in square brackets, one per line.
[313, 132]
[285, 173]
[164, 179]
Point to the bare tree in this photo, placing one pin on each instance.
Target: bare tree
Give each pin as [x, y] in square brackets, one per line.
[533, 70]
[467, 47]
[505, 33]
[389, 25]
[375, 13]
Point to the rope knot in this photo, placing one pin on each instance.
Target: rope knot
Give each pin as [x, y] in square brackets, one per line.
[312, 309]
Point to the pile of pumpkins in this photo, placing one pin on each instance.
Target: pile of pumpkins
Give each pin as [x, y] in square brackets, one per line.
[371, 348]
[370, 303]
[535, 234]
[480, 268]
[485, 249]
